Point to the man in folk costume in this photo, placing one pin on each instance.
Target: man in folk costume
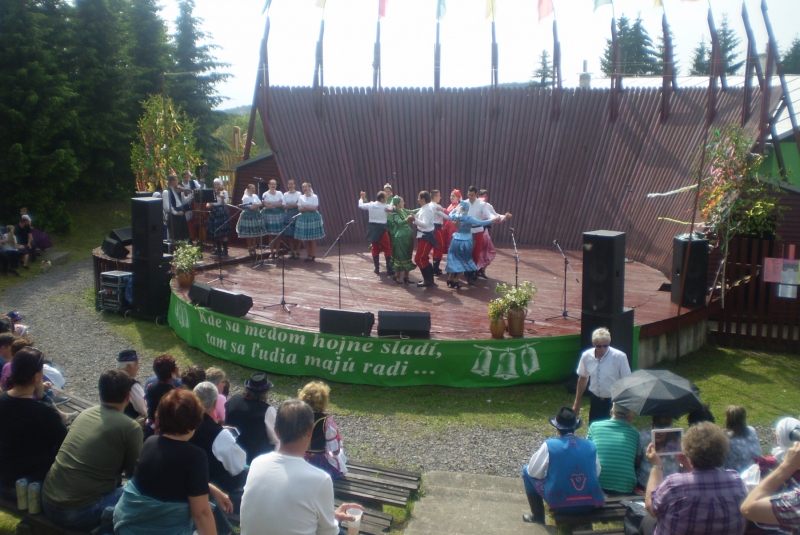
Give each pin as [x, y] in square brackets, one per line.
[426, 241]
[377, 234]
[189, 185]
[480, 211]
[439, 216]
[173, 206]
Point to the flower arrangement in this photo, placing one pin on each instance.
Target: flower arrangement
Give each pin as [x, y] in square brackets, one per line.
[515, 297]
[497, 308]
[186, 257]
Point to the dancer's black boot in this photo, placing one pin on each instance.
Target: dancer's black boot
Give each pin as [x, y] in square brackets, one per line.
[377, 261]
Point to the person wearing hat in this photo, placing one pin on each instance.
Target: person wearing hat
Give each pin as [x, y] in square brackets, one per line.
[128, 361]
[563, 471]
[617, 443]
[402, 238]
[218, 226]
[253, 417]
[387, 189]
[377, 234]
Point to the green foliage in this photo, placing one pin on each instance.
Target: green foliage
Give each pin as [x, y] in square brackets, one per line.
[186, 257]
[728, 43]
[637, 57]
[515, 296]
[701, 65]
[225, 133]
[791, 60]
[759, 219]
[149, 51]
[543, 76]
[497, 308]
[156, 142]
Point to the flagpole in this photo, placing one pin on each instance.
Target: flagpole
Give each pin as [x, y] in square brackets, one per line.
[376, 61]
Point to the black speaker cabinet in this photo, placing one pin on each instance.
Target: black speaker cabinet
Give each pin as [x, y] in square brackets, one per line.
[124, 235]
[620, 325]
[150, 287]
[200, 294]
[114, 248]
[410, 324]
[694, 287]
[229, 303]
[345, 322]
[603, 271]
[147, 228]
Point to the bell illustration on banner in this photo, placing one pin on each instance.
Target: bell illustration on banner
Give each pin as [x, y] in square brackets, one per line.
[530, 361]
[483, 362]
[507, 367]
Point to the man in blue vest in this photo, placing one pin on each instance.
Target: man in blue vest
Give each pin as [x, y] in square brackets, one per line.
[563, 472]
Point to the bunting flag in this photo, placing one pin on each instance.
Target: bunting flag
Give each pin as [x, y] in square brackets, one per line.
[545, 9]
[321, 4]
[266, 6]
[382, 8]
[491, 10]
[598, 3]
[441, 10]
[658, 3]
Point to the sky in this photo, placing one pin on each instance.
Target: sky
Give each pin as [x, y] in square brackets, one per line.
[408, 34]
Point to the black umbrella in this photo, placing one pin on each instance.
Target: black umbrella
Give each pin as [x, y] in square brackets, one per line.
[656, 393]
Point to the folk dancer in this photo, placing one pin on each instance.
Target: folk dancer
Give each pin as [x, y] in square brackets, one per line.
[272, 212]
[290, 198]
[487, 252]
[459, 256]
[218, 227]
[189, 185]
[478, 210]
[402, 238]
[426, 241]
[309, 226]
[439, 216]
[377, 234]
[449, 226]
[250, 225]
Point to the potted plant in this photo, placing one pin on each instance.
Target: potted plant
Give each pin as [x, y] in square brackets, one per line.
[516, 299]
[497, 314]
[184, 262]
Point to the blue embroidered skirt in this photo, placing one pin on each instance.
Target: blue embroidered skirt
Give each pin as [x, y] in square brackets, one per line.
[309, 226]
[459, 256]
[273, 220]
[250, 225]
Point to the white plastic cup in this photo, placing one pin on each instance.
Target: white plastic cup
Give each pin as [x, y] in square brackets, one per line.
[354, 525]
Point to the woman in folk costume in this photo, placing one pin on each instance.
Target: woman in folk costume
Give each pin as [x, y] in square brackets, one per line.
[449, 226]
[218, 226]
[251, 224]
[459, 255]
[325, 451]
[402, 237]
[290, 198]
[272, 212]
[309, 226]
[488, 252]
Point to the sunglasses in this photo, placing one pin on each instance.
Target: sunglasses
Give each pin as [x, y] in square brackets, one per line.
[602, 345]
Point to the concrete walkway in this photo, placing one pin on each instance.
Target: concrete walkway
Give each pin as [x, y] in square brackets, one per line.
[467, 504]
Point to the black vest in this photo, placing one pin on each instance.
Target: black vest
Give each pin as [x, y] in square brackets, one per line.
[204, 438]
[247, 415]
[318, 434]
[129, 411]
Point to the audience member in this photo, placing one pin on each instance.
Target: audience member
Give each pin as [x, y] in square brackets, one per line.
[165, 369]
[32, 431]
[284, 494]
[783, 441]
[24, 236]
[617, 443]
[102, 444]
[6, 339]
[604, 365]
[704, 500]
[193, 377]
[217, 377]
[743, 444]
[669, 462]
[169, 492]
[563, 471]
[703, 414]
[253, 417]
[10, 252]
[128, 361]
[326, 449]
[772, 504]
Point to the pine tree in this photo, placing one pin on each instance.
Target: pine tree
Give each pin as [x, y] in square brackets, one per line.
[543, 76]
[701, 62]
[728, 43]
[660, 55]
[149, 50]
[791, 60]
[637, 57]
[38, 121]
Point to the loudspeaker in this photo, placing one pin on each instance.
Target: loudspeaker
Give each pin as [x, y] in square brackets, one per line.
[124, 235]
[114, 248]
[200, 294]
[696, 276]
[150, 287]
[410, 324]
[345, 322]
[603, 271]
[229, 303]
[620, 325]
[148, 228]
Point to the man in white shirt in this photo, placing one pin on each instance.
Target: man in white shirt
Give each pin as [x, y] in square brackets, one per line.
[189, 186]
[605, 366]
[426, 241]
[128, 361]
[376, 231]
[480, 211]
[438, 229]
[173, 206]
[284, 493]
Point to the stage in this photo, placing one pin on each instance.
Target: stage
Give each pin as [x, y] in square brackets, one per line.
[460, 351]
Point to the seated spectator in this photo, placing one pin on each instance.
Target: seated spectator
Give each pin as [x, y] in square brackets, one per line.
[32, 431]
[217, 377]
[102, 444]
[284, 494]
[617, 443]
[326, 449]
[783, 441]
[165, 369]
[24, 235]
[671, 465]
[743, 444]
[128, 361]
[772, 504]
[703, 500]
[10, 252]
[703, 414]
[6, 339]
[169, 492]
[563, 471]
[193, 377]
[253, 417]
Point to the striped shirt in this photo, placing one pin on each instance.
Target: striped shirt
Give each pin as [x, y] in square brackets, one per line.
[701, 502]
[617, 444]
[786, 507]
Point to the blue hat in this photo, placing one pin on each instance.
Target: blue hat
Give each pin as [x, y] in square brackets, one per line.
[129, 355]
[15, 316]
[258, 382]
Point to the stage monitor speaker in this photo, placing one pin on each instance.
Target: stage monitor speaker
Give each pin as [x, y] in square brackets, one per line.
[603, 271]
[229, 303]
[345, 322]
[114, 248]
[150, 288]
[148, 229]
[696, 276]
[410, 324]
[200, 294]
[143, 194]
[124, 235]
[620, 325]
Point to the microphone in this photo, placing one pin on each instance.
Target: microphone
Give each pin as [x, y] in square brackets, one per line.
[352, 221]
[794, 436]
[296, 215]
[257, 178]
[555, 242]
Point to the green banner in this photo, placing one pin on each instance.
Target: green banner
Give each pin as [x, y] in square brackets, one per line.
[376, 361]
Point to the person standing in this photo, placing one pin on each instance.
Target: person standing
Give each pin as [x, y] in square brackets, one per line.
[189, 186]
[488, 251]
[402, 237]
[218, 227]
[480, 211]
[272, 201]
[426, 241]
[309, 226]
[250, 225]
[459, 257]
[290, 199]
[438, 229]
[173, 205]
[604, 365]
[377, 234]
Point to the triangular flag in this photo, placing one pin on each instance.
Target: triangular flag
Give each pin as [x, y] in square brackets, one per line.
[491, 10]
[441, 10]
[321, 3]
[545, 9]
[382, 8]
[598, 3]
[658, 3]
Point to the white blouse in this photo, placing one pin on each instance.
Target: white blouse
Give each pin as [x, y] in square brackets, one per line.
[313, 200]
[252, 200]
[291, 198]
[277, 198]
[222, 198]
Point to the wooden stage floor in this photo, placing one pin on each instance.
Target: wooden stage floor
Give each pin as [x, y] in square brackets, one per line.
[455, 314]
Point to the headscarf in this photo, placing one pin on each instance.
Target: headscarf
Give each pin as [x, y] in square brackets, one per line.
[453, 205]
[396, 200]
[218, 181]
[457, 193]
[782, 430]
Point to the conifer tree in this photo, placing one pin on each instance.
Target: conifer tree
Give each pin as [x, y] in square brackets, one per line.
[701, 65]
[637, 57]
[543, 76]
[791, 60]
[150, 50]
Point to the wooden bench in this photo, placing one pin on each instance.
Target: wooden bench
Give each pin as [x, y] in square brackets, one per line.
[73, 403]
[373, 522]
[37, 524]
[613, 511]
[376, 484]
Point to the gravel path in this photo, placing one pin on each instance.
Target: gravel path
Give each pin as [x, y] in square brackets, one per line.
[64, 325]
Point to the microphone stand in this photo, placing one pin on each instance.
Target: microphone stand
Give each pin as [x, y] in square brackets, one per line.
[516, 259]
[220, 278]
[564, 313]
[260, 257]
[339, 241]
[283, 304]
